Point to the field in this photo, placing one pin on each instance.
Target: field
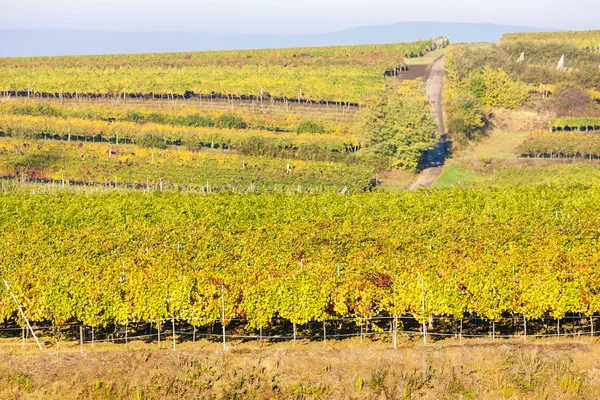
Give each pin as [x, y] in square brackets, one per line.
[557, 369]
[106, 258]
[152, 202]
[332, 74]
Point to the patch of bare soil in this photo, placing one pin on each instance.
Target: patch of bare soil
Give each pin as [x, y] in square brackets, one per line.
[567, 368]
[414, 72]
[519, 120]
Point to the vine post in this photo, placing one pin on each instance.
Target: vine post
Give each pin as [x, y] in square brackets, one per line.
[22, 314]
[395, 332]
[223, 315]
[423, 310]
[173, 332]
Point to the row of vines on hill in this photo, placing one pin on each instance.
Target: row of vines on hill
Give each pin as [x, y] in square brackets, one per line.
[346, 74]
[176, 167]
[250, 142]
[184, 114]
[127, 257]
[560, 145]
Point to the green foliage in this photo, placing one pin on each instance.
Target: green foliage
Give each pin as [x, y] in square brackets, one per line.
[230, 121]
[495, 88]
[308, 126]
[582, 124]
[465, 119]
[197, 120]
[561, 145]
[152, 139]
[399, 126]
[79, 246]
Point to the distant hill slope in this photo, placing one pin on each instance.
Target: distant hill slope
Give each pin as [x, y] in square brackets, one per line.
[73, 42]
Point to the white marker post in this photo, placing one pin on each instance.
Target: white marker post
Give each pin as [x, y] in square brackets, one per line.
[23, 315]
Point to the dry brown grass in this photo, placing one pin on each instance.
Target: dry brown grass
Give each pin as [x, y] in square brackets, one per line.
[566, 369]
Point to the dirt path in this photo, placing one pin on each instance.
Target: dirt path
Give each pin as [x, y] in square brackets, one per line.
[433, 160]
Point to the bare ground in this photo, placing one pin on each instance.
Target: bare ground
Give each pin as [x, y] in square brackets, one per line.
[558, 369]
[433, 160]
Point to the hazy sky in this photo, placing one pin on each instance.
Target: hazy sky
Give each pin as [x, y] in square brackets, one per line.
[288, 16]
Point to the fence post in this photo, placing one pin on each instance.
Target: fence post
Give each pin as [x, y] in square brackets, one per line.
[173, 332]
[324, 333]
[158, 327]
[395, 332]
[591, 326]
[423, 309]
[223, 315]
[524, 327]
[294, 324]
[81, 338]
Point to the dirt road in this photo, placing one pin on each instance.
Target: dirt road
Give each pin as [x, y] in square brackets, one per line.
[433, 160]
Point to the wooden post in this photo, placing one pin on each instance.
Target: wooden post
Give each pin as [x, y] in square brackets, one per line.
[493, 330]
[591, 326]
[558, 327]
[461, 331]
[126, 330]
[395, 332]
[194, 335]
[260, 341]
[524, 327]
[173, 332]
[324, 334]
[92, 336]
[223, 315]
[294, 324]
[81, 338]
[423, 310]
[158, 327]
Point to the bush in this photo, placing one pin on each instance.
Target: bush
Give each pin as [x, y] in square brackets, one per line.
[465, 117]
[196, 120]
[568, 99]
[157, 118]
[152, 139]
[230, 121]
[308, 126]
[135, 116]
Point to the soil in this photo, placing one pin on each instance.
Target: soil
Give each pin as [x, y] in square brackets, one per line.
[414, 72]
[433, 160]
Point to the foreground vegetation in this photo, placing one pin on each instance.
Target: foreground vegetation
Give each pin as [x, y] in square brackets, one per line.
[507, 370]
[131, 256]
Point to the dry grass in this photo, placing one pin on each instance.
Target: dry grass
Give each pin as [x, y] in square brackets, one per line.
[567, 369]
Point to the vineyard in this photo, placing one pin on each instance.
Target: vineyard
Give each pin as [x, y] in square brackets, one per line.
[126, 257]
[586, 40]
[188, 113]
[332, 74]
[561, 145]
[176, 168]
[575, 124]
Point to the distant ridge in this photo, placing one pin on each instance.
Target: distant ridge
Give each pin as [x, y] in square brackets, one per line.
[75, 42]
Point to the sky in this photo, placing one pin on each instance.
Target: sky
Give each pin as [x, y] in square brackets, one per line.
[281, 17]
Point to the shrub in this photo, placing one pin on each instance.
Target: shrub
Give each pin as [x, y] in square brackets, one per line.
[135, 116]
[308, 126]
[568, 99]
[196, 120]
[230, 121]
[152, 139]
